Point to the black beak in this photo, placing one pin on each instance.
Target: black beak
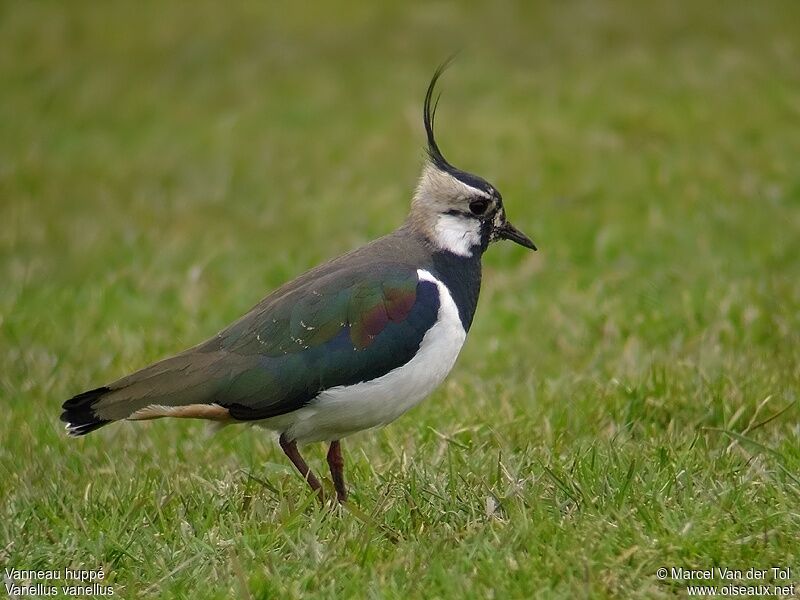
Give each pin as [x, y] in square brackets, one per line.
[508, 232]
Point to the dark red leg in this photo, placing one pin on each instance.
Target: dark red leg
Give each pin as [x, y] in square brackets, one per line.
[290, 449]
[336, 463]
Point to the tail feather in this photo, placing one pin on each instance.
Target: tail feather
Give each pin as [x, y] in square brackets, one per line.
[186, 385]
[78, 413]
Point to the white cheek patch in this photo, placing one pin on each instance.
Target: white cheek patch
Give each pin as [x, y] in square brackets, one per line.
[457, 234]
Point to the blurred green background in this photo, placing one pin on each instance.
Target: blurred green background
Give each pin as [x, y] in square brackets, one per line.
[626, 398]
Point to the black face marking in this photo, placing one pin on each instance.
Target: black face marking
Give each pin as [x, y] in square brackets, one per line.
[479, 183]
[480, 209]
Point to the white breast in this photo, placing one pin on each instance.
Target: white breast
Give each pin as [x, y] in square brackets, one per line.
[344, 410]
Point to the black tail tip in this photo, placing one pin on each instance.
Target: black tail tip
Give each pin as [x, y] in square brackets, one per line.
[78, 413]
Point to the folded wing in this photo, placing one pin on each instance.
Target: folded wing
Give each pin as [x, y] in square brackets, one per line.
[344, 327]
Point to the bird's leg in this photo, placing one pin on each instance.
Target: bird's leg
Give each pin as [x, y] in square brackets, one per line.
[336, 463]
[290, 449]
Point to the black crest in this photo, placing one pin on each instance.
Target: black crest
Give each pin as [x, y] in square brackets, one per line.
[429, 115]
[435, 155]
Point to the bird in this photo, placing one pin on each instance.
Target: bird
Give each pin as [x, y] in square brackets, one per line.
[348, 346]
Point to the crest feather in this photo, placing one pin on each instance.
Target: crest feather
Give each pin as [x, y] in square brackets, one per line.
[429, 115]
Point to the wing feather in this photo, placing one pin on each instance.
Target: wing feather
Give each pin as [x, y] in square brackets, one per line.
[340, 331]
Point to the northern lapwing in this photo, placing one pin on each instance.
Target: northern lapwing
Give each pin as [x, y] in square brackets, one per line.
[350, 345]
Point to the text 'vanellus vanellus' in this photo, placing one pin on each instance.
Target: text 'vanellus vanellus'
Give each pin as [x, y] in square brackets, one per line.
[350, 345]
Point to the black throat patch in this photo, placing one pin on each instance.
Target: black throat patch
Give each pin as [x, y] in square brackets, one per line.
[462, 276]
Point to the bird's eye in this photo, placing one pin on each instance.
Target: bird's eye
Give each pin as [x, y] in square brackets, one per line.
[478, 207]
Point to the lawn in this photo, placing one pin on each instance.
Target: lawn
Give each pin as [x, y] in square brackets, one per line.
[627, 398]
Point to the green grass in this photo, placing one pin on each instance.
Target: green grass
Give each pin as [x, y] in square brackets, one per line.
[162, 167]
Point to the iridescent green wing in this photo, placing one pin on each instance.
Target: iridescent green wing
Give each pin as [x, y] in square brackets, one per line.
[344, 328]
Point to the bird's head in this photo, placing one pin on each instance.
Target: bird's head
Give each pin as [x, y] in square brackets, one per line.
[458, 211]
